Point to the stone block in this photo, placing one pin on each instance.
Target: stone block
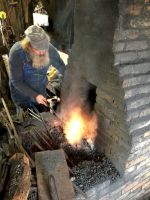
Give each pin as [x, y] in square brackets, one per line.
[141, 145]
[53, 176]
[130, 186]
[146, 186]
[140, 103]
[136, 45]
[131, 176]
[139, 125]
[119, 46]
[115, 195]
[133, 69]
[148, 8]
[140, 22]
[128, 34]
[135, 162]
[145, 33]
[131, 57]
[135, 81]
[146, 1]
[126, 58]
[140, 132]
[124, 196]
[132, 93]
[135, 116]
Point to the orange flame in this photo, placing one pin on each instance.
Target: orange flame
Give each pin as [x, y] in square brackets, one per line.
[78, 126]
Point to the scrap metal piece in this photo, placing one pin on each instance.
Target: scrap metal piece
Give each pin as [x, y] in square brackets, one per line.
[52, 187]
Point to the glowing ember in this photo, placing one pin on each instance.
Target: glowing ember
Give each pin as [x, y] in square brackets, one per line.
[78, 126]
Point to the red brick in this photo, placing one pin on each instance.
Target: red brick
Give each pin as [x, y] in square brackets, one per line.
[146, 186]
[146, 1]
[141, 184]
[135, 9]
[134, 162]
[148, 8]
[129, 187]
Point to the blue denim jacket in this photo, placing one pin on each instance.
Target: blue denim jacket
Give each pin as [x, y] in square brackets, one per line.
[33, 79]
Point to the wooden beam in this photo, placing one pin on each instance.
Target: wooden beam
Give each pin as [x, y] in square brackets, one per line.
[26, 10]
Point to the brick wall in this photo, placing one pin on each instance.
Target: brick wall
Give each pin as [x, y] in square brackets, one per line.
[111, 51]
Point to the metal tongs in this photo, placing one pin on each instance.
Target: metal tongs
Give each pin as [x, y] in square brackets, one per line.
[36, 114]
[52, 102]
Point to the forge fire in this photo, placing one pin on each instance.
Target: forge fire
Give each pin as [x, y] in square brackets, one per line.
[78, 125]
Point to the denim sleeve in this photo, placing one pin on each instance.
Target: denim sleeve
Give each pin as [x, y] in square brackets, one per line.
[56, 60]
[16, 75]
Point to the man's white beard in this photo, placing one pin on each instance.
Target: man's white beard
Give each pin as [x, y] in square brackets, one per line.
[39, 61]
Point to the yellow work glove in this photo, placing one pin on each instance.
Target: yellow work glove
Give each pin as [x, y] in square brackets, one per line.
[2, 15]
[52, 73]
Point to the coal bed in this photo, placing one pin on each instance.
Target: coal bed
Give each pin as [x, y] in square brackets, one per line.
[88, 173]
[89, 167]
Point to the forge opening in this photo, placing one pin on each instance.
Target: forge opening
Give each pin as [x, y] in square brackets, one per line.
[91, 96]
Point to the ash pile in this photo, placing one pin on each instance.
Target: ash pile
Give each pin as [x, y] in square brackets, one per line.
[87, 166]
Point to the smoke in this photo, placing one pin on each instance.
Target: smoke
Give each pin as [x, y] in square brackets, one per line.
[78, 94]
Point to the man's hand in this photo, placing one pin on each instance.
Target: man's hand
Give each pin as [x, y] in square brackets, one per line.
[41, 100]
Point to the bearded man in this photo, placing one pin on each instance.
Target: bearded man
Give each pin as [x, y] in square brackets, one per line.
[29, 61]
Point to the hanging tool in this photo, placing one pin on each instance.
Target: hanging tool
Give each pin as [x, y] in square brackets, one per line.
[2, 18]
[14, 134]
[12, 2]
